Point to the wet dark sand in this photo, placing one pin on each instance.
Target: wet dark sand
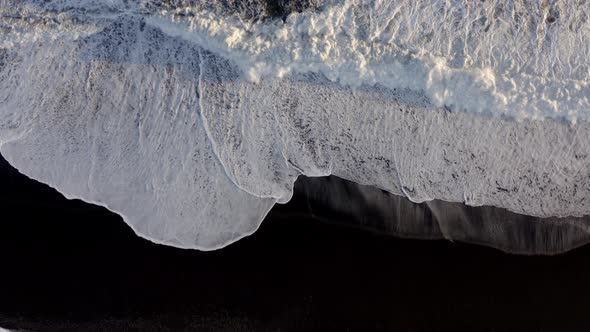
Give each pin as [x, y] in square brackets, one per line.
[71, 266]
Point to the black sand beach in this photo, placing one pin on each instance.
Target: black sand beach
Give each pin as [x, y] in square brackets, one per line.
[71, 266]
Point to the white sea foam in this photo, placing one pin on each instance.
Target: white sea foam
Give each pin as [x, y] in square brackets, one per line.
[192, 126]
[496, 57]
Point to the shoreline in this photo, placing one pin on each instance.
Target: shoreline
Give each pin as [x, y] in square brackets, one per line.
[70, 266]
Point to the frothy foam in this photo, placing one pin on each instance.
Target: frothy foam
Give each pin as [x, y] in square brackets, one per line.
[193, 123]
[510, 59]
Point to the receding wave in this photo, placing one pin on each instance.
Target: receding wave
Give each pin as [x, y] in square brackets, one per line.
[192, 120]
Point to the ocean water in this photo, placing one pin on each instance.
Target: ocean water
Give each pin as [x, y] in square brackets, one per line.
[191, 119]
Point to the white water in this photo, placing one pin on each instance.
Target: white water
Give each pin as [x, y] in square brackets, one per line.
[496, 57]
[193, 126]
